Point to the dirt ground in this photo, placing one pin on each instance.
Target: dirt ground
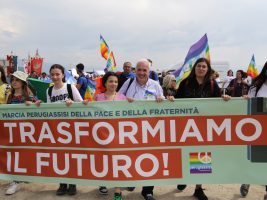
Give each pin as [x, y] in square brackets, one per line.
[40, 191]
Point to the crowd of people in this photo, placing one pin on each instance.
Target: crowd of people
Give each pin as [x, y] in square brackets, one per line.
[143, 84]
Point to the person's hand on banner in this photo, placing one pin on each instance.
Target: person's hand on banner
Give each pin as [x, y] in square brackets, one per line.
[68, 102]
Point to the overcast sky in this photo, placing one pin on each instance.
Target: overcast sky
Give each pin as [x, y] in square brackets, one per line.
[67, 31]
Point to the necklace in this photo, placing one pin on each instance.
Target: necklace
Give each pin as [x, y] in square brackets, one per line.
[111, 97]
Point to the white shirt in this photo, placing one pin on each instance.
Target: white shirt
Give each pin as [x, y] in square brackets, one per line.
[261, 93]
[44, 79]
[61, 94]
[248, 80]
[227, 81]
[150, 91]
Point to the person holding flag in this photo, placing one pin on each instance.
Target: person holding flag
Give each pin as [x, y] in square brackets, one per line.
[198, 84]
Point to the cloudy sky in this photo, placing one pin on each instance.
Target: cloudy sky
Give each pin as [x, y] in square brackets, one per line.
[67, 31]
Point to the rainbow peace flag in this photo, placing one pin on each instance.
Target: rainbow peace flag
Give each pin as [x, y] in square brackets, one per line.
[90, 90]
[198, 50]
[104, 49]
[252, 70]
[111, 63]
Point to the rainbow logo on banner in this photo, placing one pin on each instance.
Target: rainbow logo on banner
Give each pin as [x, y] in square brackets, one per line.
[200, 162]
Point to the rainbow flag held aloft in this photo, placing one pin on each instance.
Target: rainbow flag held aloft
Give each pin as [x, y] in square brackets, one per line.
[104, 49]
[111, 63]
[198, 50]
[252, 70]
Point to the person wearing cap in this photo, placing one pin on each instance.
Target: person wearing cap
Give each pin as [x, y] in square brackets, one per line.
[20, 91]
[19, 94]
[81, 81]
[142, 87]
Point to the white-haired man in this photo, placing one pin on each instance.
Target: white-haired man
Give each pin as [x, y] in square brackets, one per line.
[142, 87]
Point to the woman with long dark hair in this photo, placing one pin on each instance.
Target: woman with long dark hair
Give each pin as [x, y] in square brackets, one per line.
[257, 89]
[227, 79]
[238, 87]
[199, 85]
[259, 84]
[20, 94]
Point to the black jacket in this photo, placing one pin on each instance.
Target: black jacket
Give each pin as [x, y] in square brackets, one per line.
[192, 89]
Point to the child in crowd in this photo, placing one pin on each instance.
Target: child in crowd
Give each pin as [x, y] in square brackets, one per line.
[110, 83]
[62, 92]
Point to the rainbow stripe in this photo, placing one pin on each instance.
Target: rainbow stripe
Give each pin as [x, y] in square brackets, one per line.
[104, 49]
[200, 162]
[111, 63]
[252, 70]
[198, 50]
[90, 90]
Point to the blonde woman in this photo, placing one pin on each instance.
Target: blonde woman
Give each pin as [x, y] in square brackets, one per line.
[169, 86]
[4, 87]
